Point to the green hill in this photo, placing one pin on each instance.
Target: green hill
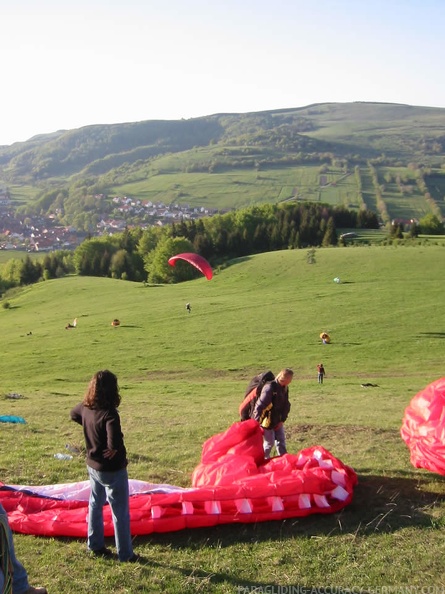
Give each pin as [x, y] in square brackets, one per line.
[400, 131]
[232, 160]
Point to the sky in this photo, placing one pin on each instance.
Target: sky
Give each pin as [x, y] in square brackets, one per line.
[67, 64]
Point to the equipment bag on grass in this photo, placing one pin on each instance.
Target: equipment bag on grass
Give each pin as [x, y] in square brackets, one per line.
[253, 391]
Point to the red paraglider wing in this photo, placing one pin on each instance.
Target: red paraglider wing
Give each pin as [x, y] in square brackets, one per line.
[423, 428]
[232, 484]
[196, 260]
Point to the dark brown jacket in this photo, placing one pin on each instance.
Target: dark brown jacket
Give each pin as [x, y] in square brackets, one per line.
[102, 430]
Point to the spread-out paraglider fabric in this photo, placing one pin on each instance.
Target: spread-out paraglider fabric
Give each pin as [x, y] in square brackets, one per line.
[196, 260]
[232, 484]
[11, 419]
[423, 427]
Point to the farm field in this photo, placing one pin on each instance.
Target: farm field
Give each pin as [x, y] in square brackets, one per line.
[182, 377]
[6, 255]
[239, 188]
[231, 189]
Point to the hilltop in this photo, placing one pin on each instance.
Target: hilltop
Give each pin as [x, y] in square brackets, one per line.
[385, 157]
[360, 130]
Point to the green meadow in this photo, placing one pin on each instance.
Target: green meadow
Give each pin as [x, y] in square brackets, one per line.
[182, 377]
[240, 187]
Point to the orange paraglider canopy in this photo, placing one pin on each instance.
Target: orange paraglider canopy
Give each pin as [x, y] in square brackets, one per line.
[196, 260]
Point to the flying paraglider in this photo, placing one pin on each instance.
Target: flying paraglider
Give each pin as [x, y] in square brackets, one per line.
[232, 484]
[196, 260]
[423, 428]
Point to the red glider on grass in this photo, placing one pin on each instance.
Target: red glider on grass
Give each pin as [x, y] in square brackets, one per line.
[232, 484]
[196, 260]
[423, 428]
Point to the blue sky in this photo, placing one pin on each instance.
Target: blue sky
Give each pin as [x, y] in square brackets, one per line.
[69, 64]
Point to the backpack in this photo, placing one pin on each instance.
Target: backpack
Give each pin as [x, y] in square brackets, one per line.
[252, 394]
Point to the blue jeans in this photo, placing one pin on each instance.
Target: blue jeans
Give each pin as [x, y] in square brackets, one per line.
[111, 487]
[20, 578]
[273, 437]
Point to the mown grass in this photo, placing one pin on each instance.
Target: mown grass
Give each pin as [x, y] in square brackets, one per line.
[182, 377]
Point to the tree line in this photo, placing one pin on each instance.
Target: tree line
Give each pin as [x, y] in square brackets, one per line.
[138, 254]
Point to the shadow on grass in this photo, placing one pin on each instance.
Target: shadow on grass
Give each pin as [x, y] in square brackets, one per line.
[380, 505]
[199, 579]
[151, 286]
[433, 334]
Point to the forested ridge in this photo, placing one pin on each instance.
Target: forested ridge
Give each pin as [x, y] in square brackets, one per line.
[385, 159]
[142, 255]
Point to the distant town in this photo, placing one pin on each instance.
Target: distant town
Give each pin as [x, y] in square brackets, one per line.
[45, 233]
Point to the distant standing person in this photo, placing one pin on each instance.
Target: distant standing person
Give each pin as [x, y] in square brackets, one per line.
[188, 307]
[106, 464]
[321, 373]
[271, 411]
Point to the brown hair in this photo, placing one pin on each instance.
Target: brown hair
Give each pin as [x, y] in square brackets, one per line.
[103, 391]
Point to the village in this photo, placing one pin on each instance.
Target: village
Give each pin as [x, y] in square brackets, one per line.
[46, 233]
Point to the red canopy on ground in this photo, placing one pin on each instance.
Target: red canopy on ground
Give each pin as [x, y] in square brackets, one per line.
[232, 484]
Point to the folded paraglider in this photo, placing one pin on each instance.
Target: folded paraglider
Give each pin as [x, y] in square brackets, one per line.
[326, 339]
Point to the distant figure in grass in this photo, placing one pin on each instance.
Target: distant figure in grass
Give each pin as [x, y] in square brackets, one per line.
[188, 307]
[271, 411]
[106, 459]
[13, 576]
[73, 325]
[321, 372]
[115, 322]
[325, 338]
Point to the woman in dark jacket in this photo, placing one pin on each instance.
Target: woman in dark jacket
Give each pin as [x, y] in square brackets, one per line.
[106, 464]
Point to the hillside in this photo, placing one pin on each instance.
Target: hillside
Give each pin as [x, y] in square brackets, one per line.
[183, 376]
[319, 153]
[362, 129]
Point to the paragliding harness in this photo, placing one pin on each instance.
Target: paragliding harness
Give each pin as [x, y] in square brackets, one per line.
[252, 394]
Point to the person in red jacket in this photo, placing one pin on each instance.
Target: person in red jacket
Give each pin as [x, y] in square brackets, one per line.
[106, 464]
[321, 373]
[271, 411]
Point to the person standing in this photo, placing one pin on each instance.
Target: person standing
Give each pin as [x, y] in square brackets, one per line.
[13, 576]
[106, 465]
[321, 373]
[271, 411]
[188, 307]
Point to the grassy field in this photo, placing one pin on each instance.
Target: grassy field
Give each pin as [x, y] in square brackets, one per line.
[239, 188]
[182, 377]
[6, 255]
